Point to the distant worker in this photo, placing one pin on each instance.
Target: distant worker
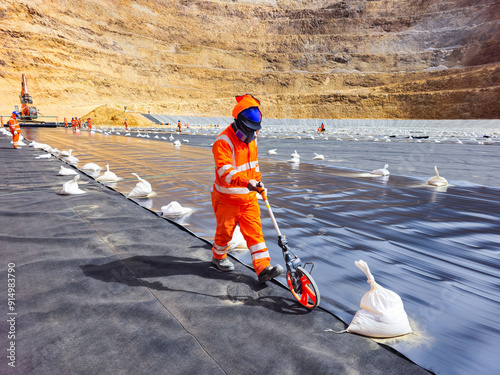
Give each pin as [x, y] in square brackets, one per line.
[73, 123]
[15, 129]
[89, 123]
[234, 195]
[126, 124]
[79, 122]
[65, 122]
[322, 128]
[1, 121]
[179, 126]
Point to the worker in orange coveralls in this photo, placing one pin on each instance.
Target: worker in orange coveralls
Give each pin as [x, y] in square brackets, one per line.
[15, 129]
[179, 126]
[234, 195]
[65, 122]
[126, 124]
[1, 121]
[89, 123]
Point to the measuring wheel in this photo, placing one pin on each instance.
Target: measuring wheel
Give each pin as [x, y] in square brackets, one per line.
[303, 288]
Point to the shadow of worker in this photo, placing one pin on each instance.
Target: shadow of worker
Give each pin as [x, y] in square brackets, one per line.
[182, 274]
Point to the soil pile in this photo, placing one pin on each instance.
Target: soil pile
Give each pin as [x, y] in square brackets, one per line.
[109, 116]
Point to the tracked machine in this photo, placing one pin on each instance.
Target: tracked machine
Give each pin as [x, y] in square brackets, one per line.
[27, 113]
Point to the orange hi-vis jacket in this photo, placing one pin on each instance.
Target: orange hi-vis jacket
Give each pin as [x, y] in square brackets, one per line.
[14, 127]
[235, 164]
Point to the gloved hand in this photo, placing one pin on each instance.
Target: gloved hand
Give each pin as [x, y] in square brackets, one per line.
[252, 185]
[15, 133]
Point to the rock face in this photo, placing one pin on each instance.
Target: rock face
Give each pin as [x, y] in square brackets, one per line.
[302, 59]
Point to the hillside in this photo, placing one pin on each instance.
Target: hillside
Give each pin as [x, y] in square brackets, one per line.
[302, 59]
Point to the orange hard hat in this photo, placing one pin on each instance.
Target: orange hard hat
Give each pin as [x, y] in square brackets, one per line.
[244, 102]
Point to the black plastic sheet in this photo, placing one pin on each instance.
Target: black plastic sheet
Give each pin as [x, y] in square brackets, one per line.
[437, 247]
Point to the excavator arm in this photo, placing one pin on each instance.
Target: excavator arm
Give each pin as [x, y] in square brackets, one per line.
[26, 99]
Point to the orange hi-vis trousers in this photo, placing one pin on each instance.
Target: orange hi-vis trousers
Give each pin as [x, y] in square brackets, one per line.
[15, 140]
[228, 213]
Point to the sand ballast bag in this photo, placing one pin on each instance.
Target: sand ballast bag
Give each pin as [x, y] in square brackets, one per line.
[174, 209]
[238, 242]
[382, 313]
[66, 172]
[71, 187]
[142, 189]
[108, 176]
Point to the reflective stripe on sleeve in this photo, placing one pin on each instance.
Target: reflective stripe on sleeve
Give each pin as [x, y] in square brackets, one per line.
[229, 176]
[224, 168]
[224, 137]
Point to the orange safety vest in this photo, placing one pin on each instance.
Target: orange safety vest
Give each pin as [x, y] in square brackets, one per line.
[65, 122]
[235, 164]
[14, 126]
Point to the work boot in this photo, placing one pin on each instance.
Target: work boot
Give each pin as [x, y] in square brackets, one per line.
[269, 273]
[223, 264]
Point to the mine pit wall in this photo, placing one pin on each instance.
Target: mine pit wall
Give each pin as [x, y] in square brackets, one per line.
[345, 59]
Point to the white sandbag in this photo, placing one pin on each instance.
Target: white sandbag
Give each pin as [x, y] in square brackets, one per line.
[382, 171]
[142, 188]
[382, 312]
[70, 158]
[71, 187]
[66, 172]
[44, 156]
[43, 146]
[437, 180]
[91, 167]
[238, 241]
[174, 209]
[108, 176]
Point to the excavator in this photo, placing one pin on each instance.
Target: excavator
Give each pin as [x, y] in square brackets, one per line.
[27, 113]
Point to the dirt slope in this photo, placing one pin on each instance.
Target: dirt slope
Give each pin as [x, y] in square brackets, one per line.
[320, 59]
